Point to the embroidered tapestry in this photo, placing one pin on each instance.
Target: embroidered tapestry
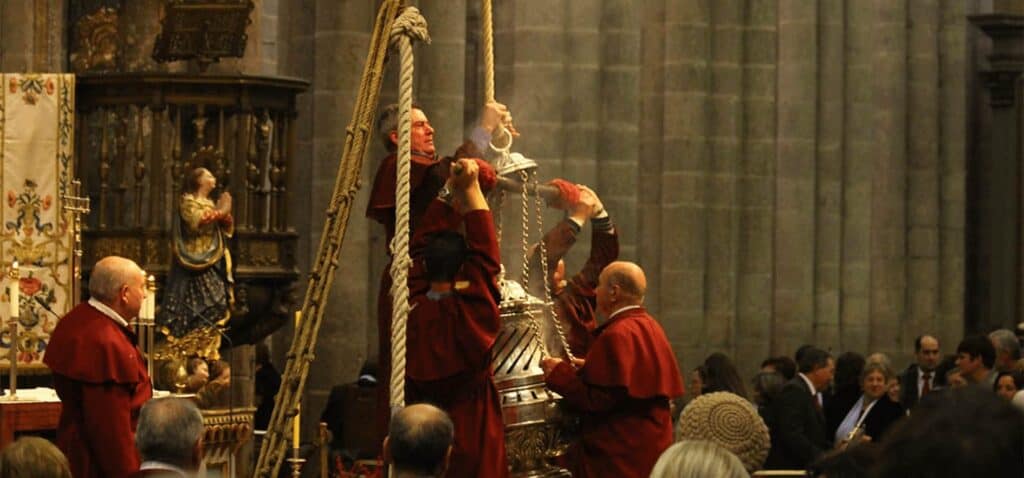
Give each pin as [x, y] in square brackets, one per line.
[36, 148]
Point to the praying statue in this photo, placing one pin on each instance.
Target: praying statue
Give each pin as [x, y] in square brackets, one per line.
[199, 290]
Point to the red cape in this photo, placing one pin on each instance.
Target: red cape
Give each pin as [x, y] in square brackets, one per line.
[632, 352]
[90, 347]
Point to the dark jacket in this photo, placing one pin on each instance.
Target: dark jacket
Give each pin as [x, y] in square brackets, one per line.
[799, 431]
[908, 386]
[881, 417]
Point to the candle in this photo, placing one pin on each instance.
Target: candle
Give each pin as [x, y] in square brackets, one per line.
[298, 408]
[14, 292]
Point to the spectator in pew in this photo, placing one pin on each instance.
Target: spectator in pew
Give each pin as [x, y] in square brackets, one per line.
[33, 457]
[169, 439]
[698, 459]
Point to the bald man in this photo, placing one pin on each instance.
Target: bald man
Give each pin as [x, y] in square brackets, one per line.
[624, 385]
[419, 442]
[99, 375]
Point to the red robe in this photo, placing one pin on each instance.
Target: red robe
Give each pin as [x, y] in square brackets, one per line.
[576, 303]
[623, 392]
[102, 383]
[427, 176]
[449, 344]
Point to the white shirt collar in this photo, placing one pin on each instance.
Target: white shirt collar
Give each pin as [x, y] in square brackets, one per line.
[623, 309]
[810, 385]
[107, 311]
[159, 465]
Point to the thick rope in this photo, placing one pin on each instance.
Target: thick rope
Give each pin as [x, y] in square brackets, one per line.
[487, 36]
[409, 26]
[300, 355]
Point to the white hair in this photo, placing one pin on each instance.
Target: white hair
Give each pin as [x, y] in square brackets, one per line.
[698, 459]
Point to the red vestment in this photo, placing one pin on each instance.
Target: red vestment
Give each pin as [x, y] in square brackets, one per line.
[576, 303]
[427, 176]
[102, 383]
[623, 392]
[449, 340]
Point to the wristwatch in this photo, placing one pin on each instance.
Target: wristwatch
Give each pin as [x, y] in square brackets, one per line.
[445, 194]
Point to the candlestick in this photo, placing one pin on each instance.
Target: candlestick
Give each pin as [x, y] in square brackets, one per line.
[297, 421]
[14, 291]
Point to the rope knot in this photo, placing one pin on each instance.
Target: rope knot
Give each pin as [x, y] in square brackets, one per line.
[411, 24]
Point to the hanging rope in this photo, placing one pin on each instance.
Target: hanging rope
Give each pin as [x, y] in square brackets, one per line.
[324, 269]
[409, 26]
[487, 36]
[534, 323]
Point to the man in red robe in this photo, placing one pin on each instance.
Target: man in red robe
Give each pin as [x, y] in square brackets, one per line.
[99, 375]
[575, 299]
[454, 322]
[428, 174]
[624, 386]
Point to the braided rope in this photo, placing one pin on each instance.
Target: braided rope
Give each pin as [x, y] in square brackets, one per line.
[487, 34]
[323, 272]
[409, 26]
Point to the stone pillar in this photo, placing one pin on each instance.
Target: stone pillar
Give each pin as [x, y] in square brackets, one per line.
[999, 292]
[651, 146]
[831, 31]
[858, 136]
[923, 171]
[953, 178]
[795, 177]
[618, 121]
[32, 36]
[685, 163]
[889, 172]
[756, 190]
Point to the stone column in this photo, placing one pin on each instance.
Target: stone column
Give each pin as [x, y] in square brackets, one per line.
[999, 290]
[858, 136]
[923, 172]
[618, 122]
[831, 32]
[725, 120]
[952, 150]
[685, 165]
[795, 176]
[651, 146]
[756, 189]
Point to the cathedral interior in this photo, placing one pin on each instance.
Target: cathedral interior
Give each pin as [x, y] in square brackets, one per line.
[840, 172]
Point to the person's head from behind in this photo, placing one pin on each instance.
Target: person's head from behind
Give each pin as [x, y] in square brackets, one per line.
[975, 357]
[698, 459]
[120, 284]
[171, 431]
[722, 375]
[443, 256]
[419, 441]
[33, 457]
[967, 433]
[817, 365]
[621, 284]
[782, 364]
[849, 366]
[767, 386]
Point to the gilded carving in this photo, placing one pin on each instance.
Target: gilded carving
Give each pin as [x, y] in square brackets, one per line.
[95, 45]
[116, 246]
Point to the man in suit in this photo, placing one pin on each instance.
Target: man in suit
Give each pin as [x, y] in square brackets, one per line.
[919, 378]
[169, 439]
[799, 436]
